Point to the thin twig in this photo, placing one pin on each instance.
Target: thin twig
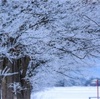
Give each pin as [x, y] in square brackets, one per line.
[92, 20]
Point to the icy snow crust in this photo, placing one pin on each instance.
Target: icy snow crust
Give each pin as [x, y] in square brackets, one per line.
[66, 93]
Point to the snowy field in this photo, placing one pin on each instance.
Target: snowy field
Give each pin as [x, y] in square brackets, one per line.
[66, 93]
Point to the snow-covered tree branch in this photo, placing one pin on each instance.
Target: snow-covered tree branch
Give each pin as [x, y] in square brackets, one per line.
[46, 37]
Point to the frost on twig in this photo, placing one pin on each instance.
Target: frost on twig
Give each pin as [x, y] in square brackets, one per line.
[5, 72]
[16, 87]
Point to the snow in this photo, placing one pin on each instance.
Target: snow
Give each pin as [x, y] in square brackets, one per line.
[66, 93]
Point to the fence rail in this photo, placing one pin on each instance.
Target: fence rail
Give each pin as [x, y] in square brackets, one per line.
[94, 97]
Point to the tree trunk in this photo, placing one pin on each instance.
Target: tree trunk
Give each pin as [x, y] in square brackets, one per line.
[16, 66]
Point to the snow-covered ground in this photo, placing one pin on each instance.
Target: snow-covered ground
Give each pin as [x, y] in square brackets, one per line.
[66, 93]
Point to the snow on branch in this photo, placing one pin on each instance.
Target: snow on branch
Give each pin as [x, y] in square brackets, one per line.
[5, 72]
[16, 87]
